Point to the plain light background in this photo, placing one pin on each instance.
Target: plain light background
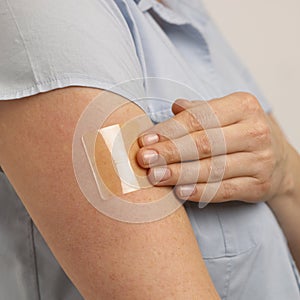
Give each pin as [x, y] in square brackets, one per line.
[266, 36]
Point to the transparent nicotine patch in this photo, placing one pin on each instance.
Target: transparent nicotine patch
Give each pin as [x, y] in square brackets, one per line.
[108, 151]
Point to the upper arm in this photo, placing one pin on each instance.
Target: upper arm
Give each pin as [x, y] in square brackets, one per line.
[105, 258]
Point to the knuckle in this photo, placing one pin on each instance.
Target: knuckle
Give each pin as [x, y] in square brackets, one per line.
[265, 131]
[249, 102]
[264, 165]
[169, 152]
[267, 158]
[250, 99]
[263, 188]
[205, 170]
[203, 145]
[177, 173]
[203, 116]
[260, 132]
[228, 191]
[195, 123]
[199, 194]
[216, 170]
[217, 173]
[192, 121]
[269, 161]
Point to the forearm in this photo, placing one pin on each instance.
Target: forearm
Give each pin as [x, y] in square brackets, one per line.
[286, 205]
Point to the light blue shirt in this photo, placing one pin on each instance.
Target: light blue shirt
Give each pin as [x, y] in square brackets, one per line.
[53, 44]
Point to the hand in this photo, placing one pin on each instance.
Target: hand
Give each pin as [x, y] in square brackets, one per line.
[220, 150]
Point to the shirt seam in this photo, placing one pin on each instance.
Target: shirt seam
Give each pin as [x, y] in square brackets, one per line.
[222, 230]
[32, 276]
[228, 277]
[54, 80]
[177, 56]
[135, 35]
[23, 40]
[34, 256]
[124, 27]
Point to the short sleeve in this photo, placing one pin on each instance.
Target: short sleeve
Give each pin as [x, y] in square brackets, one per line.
[53, 44]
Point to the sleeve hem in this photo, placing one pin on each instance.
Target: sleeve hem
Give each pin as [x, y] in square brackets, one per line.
[81, 81]
[53, 84]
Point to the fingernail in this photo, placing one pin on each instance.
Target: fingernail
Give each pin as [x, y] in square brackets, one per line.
[186, 190]
[149, 157]
[159, 174]
[150, 139]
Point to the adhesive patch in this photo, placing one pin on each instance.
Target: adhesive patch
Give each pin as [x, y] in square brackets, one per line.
[113, 138]
[111, 158]
[95, 169]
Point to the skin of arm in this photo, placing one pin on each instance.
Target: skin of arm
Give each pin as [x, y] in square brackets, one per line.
[105, 258]
[286, 204]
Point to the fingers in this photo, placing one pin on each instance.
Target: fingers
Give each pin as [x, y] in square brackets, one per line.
[203, 115]
[207, 170]
[203, 132]
[184, 122]
[197, 145]
[240, 188]
[175, 127]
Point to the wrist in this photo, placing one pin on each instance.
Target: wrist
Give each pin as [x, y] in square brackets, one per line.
[289, 186]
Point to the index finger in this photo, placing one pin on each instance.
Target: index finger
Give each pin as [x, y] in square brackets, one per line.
[196, 116]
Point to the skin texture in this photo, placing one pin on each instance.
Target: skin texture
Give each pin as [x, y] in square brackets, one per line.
[260, 165]
[105, 163]
[286, 206]
[285, 202]
[105, 258]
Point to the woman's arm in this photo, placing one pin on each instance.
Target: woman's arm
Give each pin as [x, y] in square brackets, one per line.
[230, 147]
[105, 258]
[286, 204]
